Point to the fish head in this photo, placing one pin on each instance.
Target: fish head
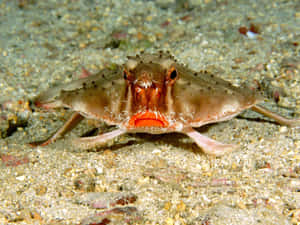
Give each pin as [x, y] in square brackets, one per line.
[148, 83]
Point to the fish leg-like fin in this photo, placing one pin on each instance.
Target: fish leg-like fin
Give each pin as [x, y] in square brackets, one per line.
[278, 118]
[68, 126]
[92, 142]
[208, 145]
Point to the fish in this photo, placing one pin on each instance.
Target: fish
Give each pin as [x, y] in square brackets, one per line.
[154, 93]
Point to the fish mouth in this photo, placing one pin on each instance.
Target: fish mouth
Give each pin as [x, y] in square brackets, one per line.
[148, 119]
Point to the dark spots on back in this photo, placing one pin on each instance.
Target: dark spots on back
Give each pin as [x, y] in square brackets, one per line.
[94, 84]
[195, 74]
[212, 76]
[84, 85]
[209, 88]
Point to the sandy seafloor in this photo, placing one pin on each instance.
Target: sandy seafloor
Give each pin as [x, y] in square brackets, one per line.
[164, 179]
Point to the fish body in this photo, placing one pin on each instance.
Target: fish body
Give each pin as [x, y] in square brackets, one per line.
[153, 93]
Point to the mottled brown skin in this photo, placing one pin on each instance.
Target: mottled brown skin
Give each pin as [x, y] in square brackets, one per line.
[153, 93]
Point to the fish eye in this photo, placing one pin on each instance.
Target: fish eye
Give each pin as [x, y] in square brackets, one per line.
[173, 74]
[125, 75]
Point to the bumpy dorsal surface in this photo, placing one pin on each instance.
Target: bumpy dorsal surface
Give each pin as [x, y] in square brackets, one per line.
[97, 96]
[204, 98]
[199, 98]
[191, 99]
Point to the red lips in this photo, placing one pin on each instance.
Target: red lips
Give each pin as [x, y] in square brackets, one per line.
[148, 119]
